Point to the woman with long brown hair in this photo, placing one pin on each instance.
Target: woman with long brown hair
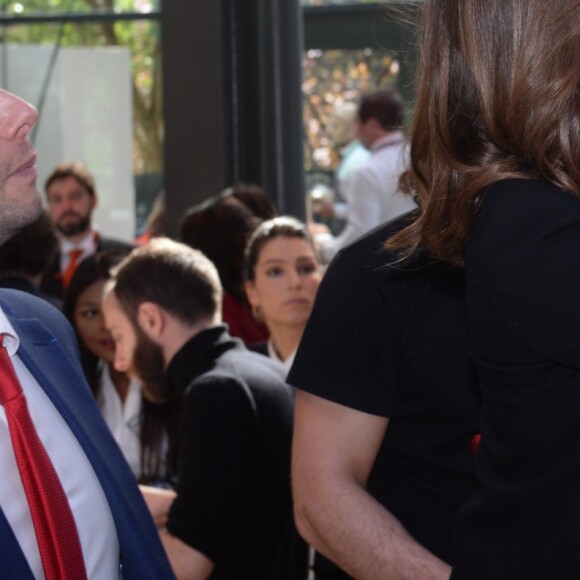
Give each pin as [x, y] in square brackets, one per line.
[496, 167]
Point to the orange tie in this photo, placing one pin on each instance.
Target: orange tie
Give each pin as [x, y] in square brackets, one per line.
[72, 266]
[54, 525]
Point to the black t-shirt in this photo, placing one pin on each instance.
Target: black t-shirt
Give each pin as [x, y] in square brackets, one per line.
[391, 341]
[523, 294]
[233, 492]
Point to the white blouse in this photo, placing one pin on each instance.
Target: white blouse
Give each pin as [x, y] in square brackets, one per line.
[122, 420]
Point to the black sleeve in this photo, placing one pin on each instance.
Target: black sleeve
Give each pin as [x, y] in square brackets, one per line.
[218, 438]
[348, 351]
[524, 253]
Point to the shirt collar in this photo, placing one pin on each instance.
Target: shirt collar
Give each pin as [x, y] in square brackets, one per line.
[11, 340]
[388, 139]
[348, 149]
[198, 355]
[88, 244]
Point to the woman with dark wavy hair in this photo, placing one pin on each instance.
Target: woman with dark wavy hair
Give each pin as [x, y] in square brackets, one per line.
[496, 167]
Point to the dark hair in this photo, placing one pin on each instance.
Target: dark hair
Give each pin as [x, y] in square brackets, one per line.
[174, 276]
[90, 270]
[76, 170]
[384, 106]
[156, 419]
[279, 227]
[30, 251]
[254, 198]
[498, 94]
[221, 228]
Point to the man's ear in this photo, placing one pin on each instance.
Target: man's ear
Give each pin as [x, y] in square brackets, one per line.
[95, 201]
[151, 319]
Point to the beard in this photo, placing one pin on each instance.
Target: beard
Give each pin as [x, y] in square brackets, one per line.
[82, 225]
[149, 365]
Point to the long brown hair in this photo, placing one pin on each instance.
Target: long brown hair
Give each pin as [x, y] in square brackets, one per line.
[498, 97]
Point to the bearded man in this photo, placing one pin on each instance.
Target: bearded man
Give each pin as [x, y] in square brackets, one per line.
[71, 197]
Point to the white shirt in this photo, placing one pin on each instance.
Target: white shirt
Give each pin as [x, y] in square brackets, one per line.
[87, 500]
[373, 194]
[88, 246]
[122, 420]
[353, 155]
[273, 353]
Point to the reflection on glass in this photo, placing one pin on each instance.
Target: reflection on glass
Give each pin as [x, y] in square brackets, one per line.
[333, 77]
[333, 81]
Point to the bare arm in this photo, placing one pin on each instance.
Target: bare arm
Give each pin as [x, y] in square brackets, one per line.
[333, 452]
[187, 562]
[158, 502]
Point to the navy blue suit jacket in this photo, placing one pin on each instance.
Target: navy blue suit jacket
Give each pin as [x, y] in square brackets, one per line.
[49, 350]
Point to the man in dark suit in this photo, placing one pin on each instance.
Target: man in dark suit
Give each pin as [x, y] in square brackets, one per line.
[71, 196]
[42, 387]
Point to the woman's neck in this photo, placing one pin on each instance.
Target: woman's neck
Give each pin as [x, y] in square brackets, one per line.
[285, 339]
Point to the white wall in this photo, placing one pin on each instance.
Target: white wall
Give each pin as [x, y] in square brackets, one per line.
[87, 116]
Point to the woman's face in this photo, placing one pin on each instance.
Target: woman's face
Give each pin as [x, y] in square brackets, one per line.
[89, 322]
[286, 279]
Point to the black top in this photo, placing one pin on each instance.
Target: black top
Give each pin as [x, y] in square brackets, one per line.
[523, 272]
[233, 493]
[391, 341]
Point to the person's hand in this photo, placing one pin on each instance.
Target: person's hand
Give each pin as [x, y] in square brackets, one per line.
[158, 502]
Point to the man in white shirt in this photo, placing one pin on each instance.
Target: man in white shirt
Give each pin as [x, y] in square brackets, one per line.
[372, 190]
[116, 536]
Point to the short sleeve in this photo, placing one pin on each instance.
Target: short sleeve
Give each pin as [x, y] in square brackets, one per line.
[348, 351]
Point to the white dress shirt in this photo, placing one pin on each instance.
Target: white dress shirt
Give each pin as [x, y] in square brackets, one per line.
[87, 500]
[373, 194]
[273, 353]
[88, 246]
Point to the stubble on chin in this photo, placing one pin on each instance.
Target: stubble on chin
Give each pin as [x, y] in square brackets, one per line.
[17, 214]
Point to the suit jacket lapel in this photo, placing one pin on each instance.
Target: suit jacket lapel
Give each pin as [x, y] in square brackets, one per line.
[58, 372]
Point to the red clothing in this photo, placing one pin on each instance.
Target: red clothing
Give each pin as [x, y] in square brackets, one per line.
[241, 322]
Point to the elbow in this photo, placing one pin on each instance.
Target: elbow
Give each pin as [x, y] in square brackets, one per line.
[304, 519]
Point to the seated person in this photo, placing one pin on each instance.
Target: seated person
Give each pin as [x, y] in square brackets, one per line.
[231, 513]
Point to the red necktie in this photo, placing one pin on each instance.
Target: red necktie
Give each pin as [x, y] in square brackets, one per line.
[54, 525]
[72, 266]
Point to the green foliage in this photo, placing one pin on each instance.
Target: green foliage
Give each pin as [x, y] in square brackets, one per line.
[140, 36]
[330, 78]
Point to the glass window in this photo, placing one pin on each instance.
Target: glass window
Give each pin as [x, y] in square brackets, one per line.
[332, 78]
[97, 86]
[52, 7]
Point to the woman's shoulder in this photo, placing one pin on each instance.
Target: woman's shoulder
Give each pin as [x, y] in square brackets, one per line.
[532, 193]
[520, 220]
